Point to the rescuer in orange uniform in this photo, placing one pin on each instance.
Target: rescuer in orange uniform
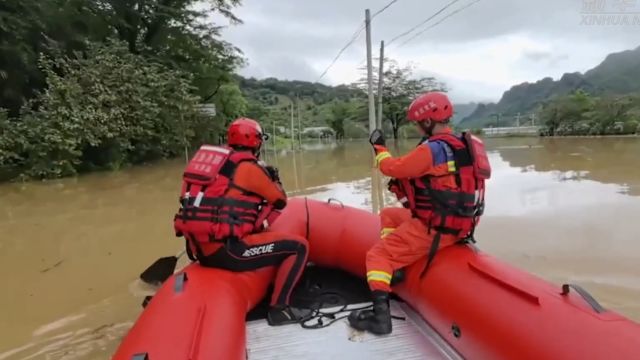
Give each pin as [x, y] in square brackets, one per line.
[228, 197]
[441, 186]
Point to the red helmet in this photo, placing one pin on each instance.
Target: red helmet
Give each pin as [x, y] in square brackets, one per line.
[434, 106]
[245, 132]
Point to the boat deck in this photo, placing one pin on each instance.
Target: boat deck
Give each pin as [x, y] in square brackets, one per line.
[412, 338]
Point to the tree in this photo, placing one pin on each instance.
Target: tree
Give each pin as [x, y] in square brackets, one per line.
[177, 33]
[105, 109]
[31, 27]
[230, 104]
[582, 114]
[400, 87]
[340, 112]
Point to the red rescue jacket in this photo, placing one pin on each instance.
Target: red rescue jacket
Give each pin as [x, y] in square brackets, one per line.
[207, 213]
[454, 211]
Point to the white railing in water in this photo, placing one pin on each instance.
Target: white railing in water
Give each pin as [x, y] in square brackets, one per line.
[522, 130]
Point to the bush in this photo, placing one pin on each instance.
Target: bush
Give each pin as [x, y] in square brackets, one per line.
[104, 109]
[354, 130]
[409, 131]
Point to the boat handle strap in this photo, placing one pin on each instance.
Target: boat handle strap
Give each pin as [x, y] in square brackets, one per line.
[595, 305]
[336, 200]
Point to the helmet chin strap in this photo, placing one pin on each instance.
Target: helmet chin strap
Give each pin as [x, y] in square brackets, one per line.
[428, 129]
[256, 151]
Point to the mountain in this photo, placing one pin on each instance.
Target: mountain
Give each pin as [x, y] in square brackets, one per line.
[461, 111]
[619, 73]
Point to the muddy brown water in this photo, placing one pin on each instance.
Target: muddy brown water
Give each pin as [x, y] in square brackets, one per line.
[71, 250]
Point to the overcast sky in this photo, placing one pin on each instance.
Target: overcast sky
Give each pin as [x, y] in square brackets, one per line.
[480, 52]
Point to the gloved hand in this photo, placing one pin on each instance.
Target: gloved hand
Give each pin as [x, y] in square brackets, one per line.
[394, 187]
[273, 173]
[377, 138]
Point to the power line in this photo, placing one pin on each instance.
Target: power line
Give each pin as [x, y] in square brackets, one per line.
[353, 39]
[439, 22]
[383, 9]
[423, 22]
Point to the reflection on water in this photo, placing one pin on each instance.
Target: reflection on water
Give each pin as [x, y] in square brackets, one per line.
[72, 249]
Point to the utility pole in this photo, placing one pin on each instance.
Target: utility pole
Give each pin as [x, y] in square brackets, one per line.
[372, 105]
[380, 84]
[293, 138]
[299, 123]
[274, 136]
[533, 119]
[518, 120]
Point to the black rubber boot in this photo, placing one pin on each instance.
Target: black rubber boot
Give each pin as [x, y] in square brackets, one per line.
[398, 277]
[282, 315]
[376, 321]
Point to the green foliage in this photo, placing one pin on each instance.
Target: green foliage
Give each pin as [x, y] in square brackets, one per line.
[269, 101]
[177, 33]
[104, 110]
[230, 104]
[355, 130]
[102, 104]
[399, 89]
[581, 114]
[31, 27]
[340, 112]
[408, 131]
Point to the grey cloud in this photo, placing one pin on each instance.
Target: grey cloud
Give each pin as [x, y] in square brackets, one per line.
[293, 38]
[281, 66]
[537, 55]
[546, 57]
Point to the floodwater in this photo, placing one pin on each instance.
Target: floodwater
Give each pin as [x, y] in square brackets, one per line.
[71, 250]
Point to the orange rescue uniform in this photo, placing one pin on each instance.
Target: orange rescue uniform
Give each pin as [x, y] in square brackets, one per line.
[261, 249]
[404, 238]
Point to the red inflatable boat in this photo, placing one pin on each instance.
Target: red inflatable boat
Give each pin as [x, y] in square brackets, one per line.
[482, 308]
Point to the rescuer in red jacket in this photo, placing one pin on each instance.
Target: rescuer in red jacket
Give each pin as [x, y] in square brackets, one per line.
[441, 186]
[228, 197]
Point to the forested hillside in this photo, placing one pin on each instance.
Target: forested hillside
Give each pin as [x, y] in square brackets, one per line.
[618, 74]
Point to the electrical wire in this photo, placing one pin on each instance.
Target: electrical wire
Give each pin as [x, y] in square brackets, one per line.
[439, 22]
[422, 22]
[354, 38]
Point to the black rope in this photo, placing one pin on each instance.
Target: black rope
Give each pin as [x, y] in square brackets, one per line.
[333, 316]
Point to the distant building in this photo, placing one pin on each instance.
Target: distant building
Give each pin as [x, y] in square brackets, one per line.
[318, 131]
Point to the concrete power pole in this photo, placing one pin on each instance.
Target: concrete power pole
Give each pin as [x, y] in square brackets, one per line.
[533, 119]
[299, 123]
[372, 105]
[518, 120]
[293, 138]
[380, 84]
[274, 136]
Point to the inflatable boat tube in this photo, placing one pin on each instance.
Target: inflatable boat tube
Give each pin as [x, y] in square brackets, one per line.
[484, 308]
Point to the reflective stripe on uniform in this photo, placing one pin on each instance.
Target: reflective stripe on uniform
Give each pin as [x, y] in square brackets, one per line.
[386, 231]
[451, 166]
[381, 156]
[381, 276]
